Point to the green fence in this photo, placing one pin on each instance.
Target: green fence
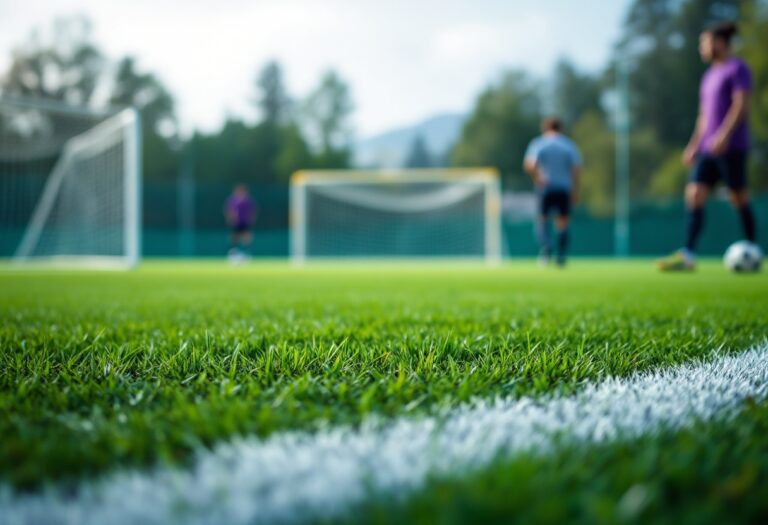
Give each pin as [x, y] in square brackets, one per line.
[189, 222]
[655, 228]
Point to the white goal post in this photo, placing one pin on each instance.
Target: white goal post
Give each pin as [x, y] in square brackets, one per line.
[413, 213]
[88, 211]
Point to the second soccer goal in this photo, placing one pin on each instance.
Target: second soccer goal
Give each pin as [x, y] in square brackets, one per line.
[427, 213]
[72, 178]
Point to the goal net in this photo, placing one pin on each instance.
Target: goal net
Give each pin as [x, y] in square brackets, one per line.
[434, 213]
[69, 184]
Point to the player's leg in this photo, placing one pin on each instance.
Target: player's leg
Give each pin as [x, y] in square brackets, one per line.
[740, 201]
[704, 176]
[696, 195]
[562, 222]
[234, 241]
[245, 242]
[542, 227]
[736, 178]
[542, 234]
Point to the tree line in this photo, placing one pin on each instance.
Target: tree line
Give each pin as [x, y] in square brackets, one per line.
[658, 45]
[65, 64]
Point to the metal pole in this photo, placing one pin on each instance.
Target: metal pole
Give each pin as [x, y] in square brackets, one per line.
[622, 129]
[186, 202]
[133, 188]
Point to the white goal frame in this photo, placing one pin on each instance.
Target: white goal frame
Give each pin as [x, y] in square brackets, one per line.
[488, 178]
[129, 121]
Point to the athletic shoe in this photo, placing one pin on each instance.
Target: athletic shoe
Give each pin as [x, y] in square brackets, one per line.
[235, 257]
[679, 261]
[544, 257]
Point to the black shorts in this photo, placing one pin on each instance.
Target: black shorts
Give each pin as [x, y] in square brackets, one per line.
[730, 167]
[558, 200]
[239, 229]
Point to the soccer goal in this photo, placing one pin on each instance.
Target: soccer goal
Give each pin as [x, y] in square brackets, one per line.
[70, 182]
[430, 213]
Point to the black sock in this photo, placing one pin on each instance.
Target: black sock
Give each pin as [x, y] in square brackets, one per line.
[748, 222]
[695, 225]
[562, 242]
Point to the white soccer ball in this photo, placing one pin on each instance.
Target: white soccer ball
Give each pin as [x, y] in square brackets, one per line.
[743, 257]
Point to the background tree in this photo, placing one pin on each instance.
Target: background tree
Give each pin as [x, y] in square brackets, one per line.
[574, 93]
[284, 148]
[267, 152]
[326, 116]
[652, 49]
[596, 142]
[419, 155]
[61, 64]
[272, 98]
[145, 92]
[595, 137]
[505, 118]
[753, 46]
[294, 153]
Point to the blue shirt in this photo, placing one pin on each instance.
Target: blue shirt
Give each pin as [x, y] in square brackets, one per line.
[555, 156]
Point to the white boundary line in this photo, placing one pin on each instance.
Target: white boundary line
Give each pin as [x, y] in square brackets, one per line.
[294, 476]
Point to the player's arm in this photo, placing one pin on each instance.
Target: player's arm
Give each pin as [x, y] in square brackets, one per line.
[689, 155]
[531, 166]
[736, 114]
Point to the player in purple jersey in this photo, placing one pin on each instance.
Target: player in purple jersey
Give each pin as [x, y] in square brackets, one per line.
[720, 142]
[240, 212]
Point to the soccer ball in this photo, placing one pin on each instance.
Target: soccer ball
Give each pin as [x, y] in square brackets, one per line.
[743, 257]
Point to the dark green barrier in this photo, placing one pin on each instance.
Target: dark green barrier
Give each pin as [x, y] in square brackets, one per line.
[655, 227]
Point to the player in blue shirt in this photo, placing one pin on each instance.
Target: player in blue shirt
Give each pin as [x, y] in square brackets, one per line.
[554, 163]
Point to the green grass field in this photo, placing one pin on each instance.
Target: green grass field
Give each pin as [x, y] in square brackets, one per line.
[102, 371]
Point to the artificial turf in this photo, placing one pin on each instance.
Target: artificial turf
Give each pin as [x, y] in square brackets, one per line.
[712, 473]
[102, 370]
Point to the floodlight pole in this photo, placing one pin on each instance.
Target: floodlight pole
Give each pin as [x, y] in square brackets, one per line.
[622, 129]
[185, 198]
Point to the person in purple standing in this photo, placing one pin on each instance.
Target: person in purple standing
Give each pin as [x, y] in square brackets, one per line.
[240, 211]
[718, 148]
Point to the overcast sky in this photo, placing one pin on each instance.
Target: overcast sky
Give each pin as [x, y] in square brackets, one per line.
[404, 59]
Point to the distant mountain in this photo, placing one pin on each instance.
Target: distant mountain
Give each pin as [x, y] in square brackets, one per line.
[390, 149]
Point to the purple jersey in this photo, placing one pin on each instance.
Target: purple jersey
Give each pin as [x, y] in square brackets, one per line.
[240, 209]
[718, 85]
